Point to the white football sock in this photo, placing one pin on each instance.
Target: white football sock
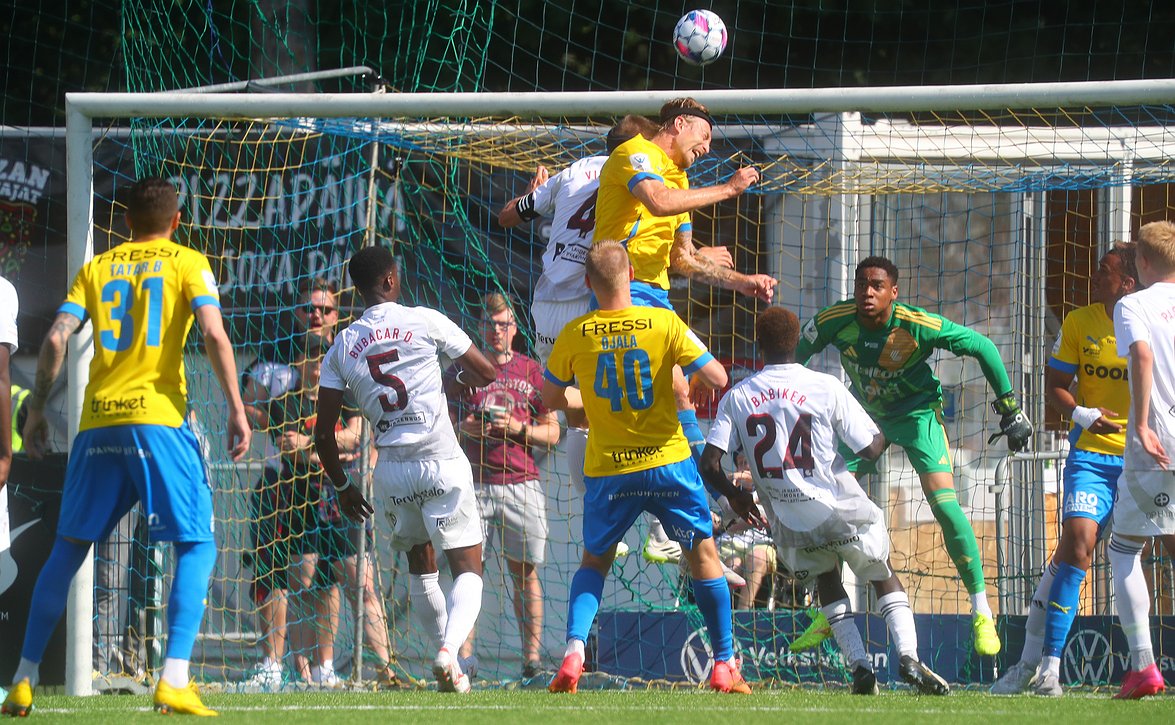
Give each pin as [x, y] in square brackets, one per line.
[1051, 664]
[175, 672]
[845, 632]
[574, 646]
[979, 604]
[1034, 627]
[1132, 599]
[895, 607]
[428, 605]
[464, 606]
[576, 453]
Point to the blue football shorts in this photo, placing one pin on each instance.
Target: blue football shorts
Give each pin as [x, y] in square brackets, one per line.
[1090, 482]
[673, 493]
[112, 468]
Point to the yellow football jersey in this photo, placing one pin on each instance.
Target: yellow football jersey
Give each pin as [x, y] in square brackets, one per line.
[622, 361]
[1087, 348]
[621, 217]
[140, 297]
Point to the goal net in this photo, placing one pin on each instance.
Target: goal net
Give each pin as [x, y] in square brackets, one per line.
[995, 203]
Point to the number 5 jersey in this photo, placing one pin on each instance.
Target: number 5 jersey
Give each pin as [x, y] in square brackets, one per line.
[389, 360]
[786, 420]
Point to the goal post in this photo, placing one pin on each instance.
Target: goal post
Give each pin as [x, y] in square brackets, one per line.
[991, 199]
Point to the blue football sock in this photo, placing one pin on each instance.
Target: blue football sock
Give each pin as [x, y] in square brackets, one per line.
[713, 598]
[693, 432]
[50, 594]
[1061, 607]
[194, 561]
[587, 589]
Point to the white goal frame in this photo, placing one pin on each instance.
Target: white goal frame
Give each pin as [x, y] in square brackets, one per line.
[842, 105]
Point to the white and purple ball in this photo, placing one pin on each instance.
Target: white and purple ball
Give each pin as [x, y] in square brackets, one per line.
[700, 37]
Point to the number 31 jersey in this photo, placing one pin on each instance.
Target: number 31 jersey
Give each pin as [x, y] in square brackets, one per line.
[388, 359]
[786, 420]
[140, 297]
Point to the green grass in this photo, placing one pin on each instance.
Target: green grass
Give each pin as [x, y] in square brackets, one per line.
[622, 707]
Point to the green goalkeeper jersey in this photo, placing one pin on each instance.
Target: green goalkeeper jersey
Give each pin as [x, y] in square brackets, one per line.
[887, 366]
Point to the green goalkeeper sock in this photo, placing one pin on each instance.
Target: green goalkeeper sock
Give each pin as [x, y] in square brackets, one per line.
[959, 538]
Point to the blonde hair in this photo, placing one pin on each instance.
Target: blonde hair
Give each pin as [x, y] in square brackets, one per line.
[607, 266]
[495, 302]
[1156, 242]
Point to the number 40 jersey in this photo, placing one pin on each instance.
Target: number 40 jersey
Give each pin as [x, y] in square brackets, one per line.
[786, 420]
[389, 360]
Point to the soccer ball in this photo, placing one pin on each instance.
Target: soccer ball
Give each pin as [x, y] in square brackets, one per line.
[700, 37]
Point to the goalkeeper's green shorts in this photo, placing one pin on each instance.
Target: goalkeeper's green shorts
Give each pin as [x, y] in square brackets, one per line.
[921, 433]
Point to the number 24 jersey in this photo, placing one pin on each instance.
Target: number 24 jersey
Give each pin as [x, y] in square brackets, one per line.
[787, 420]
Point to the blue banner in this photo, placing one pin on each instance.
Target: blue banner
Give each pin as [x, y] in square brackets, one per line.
[674, 646]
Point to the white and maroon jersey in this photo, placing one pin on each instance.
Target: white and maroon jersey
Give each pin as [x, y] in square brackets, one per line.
[389, 360]
[568, 199]
[787, 419]
[1149, 316]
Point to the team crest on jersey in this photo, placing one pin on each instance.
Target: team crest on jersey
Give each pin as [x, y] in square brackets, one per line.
[810, 330]
[641, 162]
[897, 351]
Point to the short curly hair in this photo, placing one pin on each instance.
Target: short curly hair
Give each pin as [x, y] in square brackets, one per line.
[777, 332]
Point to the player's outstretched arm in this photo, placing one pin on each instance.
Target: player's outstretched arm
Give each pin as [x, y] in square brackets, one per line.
[687, 260]
[224, 365]
[663, 201]
[561, 397]
[49, 361]
[509, 216]
[1141, 383]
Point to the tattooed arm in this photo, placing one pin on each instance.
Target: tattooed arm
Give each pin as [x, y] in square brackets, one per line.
[36, 429]
[685, 259]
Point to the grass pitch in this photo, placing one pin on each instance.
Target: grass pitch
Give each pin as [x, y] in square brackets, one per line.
[623, 707]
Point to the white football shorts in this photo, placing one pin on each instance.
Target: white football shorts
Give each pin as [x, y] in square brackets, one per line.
[422, 501]
[549, 320]
[1145, 503]
[866, 552]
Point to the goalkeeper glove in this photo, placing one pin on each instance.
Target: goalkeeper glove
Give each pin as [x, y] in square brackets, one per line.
[1013, 423]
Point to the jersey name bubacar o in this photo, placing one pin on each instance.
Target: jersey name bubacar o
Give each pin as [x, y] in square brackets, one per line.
[389, 360]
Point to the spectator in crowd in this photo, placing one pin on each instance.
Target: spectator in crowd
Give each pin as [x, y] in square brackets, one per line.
[499, 425]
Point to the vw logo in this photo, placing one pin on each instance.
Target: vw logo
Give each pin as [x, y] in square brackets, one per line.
[1087, 658]
[1162, 500]
[697, 659]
